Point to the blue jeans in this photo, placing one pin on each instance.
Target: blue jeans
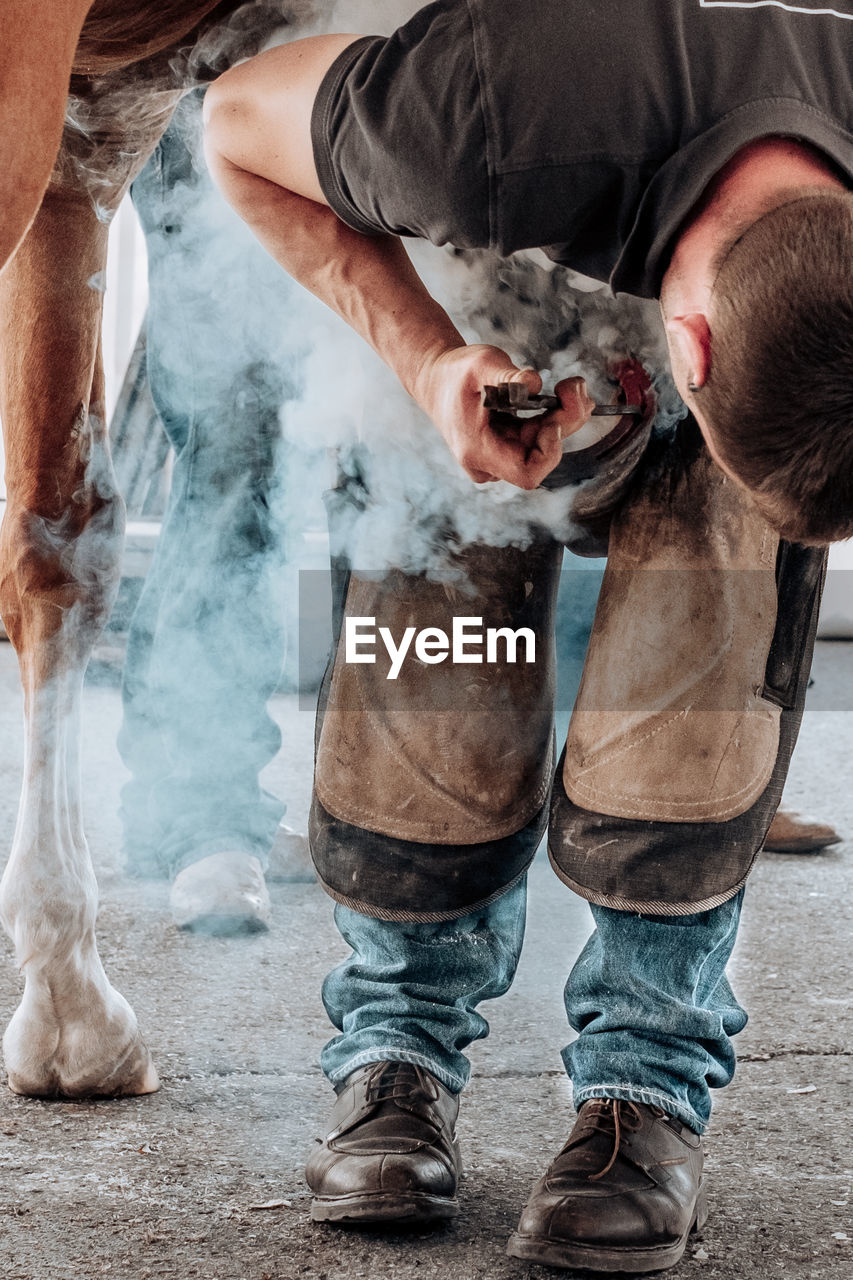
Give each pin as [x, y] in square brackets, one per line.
[206, 644]
[648, 996]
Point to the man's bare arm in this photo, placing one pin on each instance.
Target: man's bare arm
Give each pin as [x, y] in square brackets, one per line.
[259, 150]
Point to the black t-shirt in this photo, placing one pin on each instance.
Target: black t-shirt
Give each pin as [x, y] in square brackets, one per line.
[588, 128]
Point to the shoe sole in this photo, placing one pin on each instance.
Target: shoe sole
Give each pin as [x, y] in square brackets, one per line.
[803, 845]
[571, 1255]
[363, 1208]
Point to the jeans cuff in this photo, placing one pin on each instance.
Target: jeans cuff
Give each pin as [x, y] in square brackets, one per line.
[651, 1097]
[450, 1081]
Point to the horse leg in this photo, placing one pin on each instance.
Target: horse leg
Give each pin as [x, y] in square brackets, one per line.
[60, 549]
[36, 53]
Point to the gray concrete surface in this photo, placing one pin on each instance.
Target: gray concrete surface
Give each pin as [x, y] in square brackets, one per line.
[174, 1185]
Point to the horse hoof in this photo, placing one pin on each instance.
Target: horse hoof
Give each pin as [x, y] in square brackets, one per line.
[134, 1078]
[95, 1052]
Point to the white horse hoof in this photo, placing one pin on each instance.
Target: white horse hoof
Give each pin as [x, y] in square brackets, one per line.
[224, 893]
[90, 1049]
[133, 1075]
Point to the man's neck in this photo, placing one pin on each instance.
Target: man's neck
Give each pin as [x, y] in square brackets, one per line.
[760, 177]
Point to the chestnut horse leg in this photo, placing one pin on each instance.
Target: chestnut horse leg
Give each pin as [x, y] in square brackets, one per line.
[39, 38]
[60, 549]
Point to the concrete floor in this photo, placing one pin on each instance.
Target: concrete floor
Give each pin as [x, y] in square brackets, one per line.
[204, 1178]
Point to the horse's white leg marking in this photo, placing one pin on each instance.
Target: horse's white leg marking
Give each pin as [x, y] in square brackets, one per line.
[73, 1034]
[60, 550]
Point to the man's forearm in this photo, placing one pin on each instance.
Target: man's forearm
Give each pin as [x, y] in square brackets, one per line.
[368, 280]
[260, 151]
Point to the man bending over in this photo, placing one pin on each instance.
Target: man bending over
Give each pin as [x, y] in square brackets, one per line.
[696, 153]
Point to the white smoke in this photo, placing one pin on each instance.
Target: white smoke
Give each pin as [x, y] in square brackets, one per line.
[342, 402]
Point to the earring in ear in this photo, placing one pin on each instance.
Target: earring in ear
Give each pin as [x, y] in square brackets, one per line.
[693, 386]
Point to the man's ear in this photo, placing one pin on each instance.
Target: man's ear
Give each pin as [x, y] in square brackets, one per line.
[691, 336]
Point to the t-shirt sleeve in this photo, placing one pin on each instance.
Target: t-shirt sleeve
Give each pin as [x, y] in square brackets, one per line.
[398, 132]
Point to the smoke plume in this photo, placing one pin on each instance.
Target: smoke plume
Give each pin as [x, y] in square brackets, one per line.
[342, 409]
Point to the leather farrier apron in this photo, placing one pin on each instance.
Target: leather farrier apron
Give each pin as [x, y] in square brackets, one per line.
[431, 791]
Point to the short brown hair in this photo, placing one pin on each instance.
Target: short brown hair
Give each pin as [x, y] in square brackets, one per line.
[779, 396]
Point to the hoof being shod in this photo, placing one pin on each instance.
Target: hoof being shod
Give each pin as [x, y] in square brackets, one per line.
[222, 894]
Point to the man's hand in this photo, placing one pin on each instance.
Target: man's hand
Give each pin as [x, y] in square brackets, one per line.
[449, 388]
[260, 151]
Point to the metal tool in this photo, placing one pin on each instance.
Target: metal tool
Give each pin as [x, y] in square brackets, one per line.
[514, 398]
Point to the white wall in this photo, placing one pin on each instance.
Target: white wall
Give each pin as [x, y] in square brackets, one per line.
[836, 611]
[126, 296]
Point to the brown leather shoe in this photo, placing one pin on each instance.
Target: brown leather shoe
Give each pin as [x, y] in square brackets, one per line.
[392, 1154]
[790, 832]
[623, 1194]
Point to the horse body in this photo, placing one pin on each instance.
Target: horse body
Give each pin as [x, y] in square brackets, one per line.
[117, 34]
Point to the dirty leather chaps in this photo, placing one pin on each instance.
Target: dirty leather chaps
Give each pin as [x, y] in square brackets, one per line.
[433, 790]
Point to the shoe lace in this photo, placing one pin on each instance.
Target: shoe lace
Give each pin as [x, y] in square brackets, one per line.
[399, 1081]
[616, 1116]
